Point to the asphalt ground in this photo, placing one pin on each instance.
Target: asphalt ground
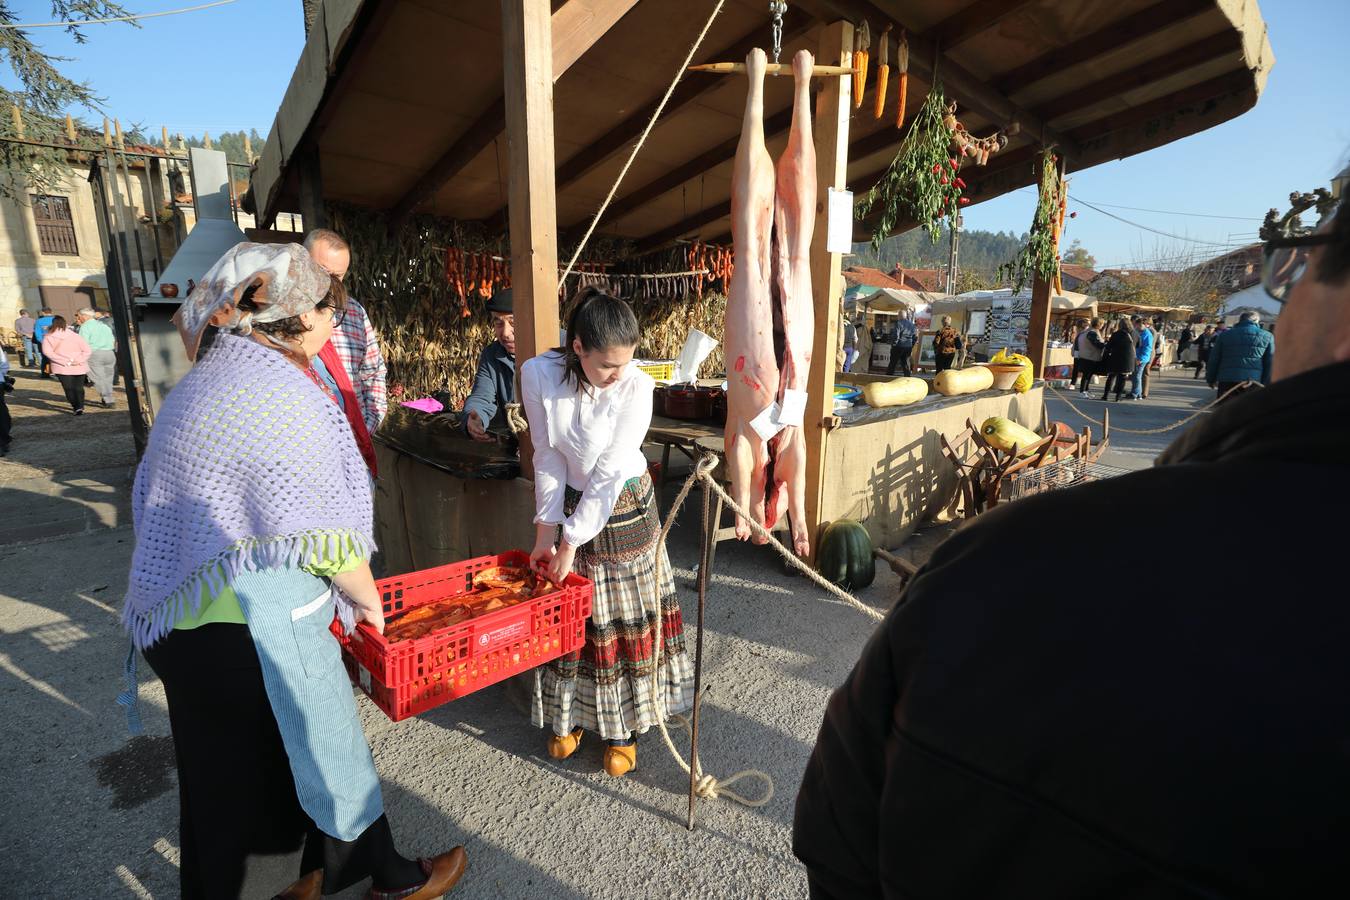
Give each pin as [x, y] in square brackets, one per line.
[93, 812]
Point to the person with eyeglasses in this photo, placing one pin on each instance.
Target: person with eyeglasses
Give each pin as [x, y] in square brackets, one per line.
[1175, 741]
[254, 529]
[355, 342]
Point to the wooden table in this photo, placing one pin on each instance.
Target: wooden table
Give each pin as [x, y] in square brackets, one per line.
[682, 434]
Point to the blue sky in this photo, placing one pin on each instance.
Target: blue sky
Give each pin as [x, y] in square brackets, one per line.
[225, 69]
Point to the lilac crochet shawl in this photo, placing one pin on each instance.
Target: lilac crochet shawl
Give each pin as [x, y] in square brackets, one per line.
[249, 466]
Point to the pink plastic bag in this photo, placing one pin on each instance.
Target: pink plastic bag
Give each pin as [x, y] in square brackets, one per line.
[425, 404]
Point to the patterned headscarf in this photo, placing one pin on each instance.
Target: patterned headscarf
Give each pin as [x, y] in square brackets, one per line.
[289, 282]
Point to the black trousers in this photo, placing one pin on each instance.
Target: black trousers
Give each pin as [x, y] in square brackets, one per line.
[944, 361]
[1086, 369]
[900, 357]
[1119, 380]
[236, 795]
[73, 385]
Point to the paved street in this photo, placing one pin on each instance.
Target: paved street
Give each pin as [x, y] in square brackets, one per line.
[93, 814]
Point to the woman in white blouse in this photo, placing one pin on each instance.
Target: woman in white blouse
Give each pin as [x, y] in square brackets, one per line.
[589, 411]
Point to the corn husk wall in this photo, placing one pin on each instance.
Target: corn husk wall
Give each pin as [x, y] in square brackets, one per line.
[430, 345]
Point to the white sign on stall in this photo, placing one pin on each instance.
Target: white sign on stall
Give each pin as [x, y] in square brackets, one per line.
[839, 235]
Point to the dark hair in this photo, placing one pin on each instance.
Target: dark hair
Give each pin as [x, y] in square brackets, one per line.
[58, 323]
[1334, 264]
[291, 328]
[600, 322]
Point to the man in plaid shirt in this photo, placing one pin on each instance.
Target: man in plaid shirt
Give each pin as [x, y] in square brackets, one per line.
[355, 340]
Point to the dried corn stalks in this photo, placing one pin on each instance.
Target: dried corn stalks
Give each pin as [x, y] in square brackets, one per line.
[428, 342]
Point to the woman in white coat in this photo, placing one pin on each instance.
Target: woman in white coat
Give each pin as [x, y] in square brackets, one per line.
[589, 410]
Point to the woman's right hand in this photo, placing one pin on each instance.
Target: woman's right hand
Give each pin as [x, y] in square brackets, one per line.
[542, 555]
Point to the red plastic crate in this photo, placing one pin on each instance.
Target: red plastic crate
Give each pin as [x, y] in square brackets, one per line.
[409, 677]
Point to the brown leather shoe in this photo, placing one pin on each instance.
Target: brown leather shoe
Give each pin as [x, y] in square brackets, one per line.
[443, 873]
[307, 888]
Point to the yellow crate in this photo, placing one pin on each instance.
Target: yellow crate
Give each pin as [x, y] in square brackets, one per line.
[663, 370]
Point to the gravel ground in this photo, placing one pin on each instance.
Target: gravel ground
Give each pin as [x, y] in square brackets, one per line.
[472, 771]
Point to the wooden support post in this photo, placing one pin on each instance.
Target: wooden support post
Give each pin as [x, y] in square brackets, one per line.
[833, 105]
[527, 55]
[1039, 331]
[312, 209]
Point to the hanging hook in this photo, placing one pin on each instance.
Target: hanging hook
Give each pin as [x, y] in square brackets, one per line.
[776, 9]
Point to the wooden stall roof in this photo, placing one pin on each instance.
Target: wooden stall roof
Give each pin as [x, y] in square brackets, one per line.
[402, 99]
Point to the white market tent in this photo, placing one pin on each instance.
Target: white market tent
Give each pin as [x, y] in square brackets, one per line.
[890, 300]
[1254, 297]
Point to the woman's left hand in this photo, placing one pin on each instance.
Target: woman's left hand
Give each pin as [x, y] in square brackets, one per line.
[561, 564]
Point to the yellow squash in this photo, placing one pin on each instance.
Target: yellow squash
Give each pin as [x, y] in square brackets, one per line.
[899, 392]
[963, 381]
[1005, 434]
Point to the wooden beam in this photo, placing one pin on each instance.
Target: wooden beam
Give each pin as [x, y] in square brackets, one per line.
[685, 225]
[975, 19]
[312, 208]
[834, 104]
[475, 139]
[1225, 43]
[1164, 14]
[1236, 80]
[576, 26]
[708, 159]
[527, 58]
[960, 84]
[691, 88]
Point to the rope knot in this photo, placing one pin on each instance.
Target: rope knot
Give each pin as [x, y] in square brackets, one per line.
[707, 786]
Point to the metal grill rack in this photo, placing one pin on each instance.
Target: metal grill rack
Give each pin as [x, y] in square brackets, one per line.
[1065, 473]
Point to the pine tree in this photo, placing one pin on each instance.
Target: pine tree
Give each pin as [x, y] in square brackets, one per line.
[43, 97]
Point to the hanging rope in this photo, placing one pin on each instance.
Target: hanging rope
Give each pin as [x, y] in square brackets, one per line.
[708, 785]
[660, 107]
[1242, 386]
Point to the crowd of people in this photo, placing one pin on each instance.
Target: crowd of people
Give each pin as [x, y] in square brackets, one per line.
[232, 574]
[1125, 352]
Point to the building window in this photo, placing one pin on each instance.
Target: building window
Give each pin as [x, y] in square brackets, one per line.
[55, 227]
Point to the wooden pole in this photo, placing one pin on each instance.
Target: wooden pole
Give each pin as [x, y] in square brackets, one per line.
[527, 59]
[709, 538]
[312, 210]
[833, 106]
[18, 120]
[1039, 331]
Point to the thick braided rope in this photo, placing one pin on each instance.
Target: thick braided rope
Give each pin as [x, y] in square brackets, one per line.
[1166, 428]
[708, 785]
[660, 107]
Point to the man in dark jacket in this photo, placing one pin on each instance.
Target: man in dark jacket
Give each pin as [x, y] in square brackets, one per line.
[1244, 352]
[494, 384]
[1005, 736]
[905, 337]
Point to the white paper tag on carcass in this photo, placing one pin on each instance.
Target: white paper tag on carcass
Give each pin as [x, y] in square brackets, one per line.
[794, 405]
[766, 423]
[839, 231]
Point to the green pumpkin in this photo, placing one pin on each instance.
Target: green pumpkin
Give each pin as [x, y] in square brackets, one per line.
[845, 555]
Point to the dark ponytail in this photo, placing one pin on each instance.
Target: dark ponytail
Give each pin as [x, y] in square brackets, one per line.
[600, 322]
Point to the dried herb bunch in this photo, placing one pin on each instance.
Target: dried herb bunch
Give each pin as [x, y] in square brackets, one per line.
[923, 183]
[1040, 254]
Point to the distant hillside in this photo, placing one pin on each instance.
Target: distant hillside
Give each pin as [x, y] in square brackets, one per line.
[981, 252]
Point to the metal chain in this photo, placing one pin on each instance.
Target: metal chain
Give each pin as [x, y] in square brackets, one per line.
[1175, 425]
[776, 9]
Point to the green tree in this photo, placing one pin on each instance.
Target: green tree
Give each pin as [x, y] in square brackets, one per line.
[43, 97]
[1077, 255]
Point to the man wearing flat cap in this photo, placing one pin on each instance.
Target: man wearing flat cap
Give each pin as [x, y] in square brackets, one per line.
[494, 385]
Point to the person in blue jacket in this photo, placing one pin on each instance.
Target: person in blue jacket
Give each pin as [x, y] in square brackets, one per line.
[1143, 355]
[44, 321]
[494, 384]
[1244, 352]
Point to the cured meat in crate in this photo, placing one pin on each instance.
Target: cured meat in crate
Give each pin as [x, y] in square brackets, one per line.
[454, 629]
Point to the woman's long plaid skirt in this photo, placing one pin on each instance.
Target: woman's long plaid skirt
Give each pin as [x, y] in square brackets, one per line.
[606, 686]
